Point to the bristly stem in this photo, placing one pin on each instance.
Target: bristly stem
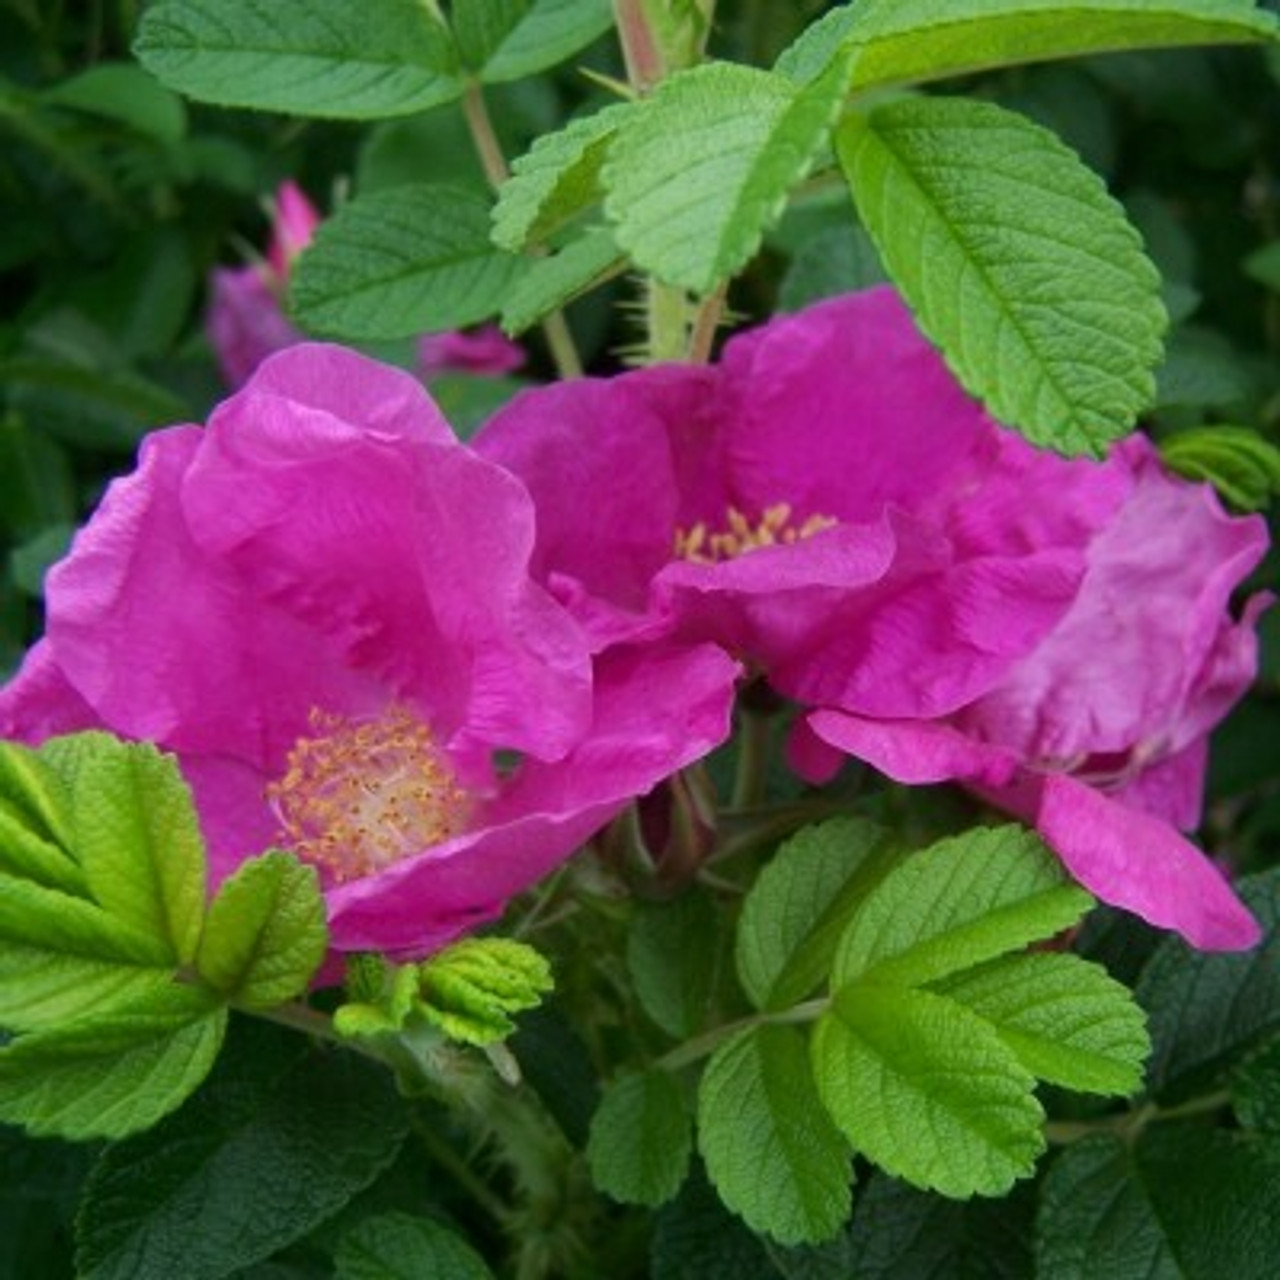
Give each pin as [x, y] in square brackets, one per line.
[554, 329]
[640, 51]
[705, 324]
[705, 1045]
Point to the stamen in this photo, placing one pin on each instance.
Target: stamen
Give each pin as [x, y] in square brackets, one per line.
[358, 796]
[775, 527]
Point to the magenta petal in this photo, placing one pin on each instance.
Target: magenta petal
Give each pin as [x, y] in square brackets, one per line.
[40, 702]
[656, 711]
[1137, 862]
[245, 322]
[1171, 789]
[914, 751]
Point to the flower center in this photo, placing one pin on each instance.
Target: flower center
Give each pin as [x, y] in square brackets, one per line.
[358, 796]
[704, 545]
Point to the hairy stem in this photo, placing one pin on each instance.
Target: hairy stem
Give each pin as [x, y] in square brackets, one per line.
[485, 138]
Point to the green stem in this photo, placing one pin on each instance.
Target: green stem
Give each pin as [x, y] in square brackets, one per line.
[754, 734]
[1130, 1124]
[443, 1155]
[485, 138]
[705, 324]
[668, 317]
[706, 1044]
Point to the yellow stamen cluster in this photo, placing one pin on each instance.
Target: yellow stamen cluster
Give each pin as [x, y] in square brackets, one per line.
[775, 527]
[357, 796]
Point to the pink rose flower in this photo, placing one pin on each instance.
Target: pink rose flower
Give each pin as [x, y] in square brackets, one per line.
[246, 321]
[1099, 736]
[828, 504]
[321, 603]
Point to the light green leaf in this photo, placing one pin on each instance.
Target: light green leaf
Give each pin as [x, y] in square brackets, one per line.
[927, 1090]
[109, 1075]
[325, 58]
[1017, 263]
[699, 171]
[1237, 461]
[771, 1150]
[136, 834]
[413, 259]
[798, 907]
[549, 283]
[956, 904]
[672, 950]
[640, 1140]
[902, 41]
[511, 39]
[396, 1246]
[101, 879]
[471, 989]
[557, 179]
[35, 827]
[265, 935]
[1068, 1020]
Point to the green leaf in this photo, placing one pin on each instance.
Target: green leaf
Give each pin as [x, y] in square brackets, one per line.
[1255, 1090]
[962, 901]
[557, 179]
[112, 1074]
[699, 171]
[798, 907]
[897, 41]
[471, 989]
[640, 1140]
[277, 1142]
[1068, 1021]
[672, 950]
[125, 92]
[1189, 1204]
[1017, 263]
[325, 58]
[397, 1246]
[927, 1090]
[265, 935]
[397, 263]
[904, 1234]
[772, 1152]
[835, 261]
[101, 879]
[696, 1238]
[1237, 461]
[135, 832]
[510, 39]
[1206, 1009]
[549, 283]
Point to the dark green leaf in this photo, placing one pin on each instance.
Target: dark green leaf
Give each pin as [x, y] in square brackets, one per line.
[509, 39]
[124, 92]
[413, 259]
[671, 953]
[325, 58]
[271, 1148]
[399, 1247]
[1205, 1008]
